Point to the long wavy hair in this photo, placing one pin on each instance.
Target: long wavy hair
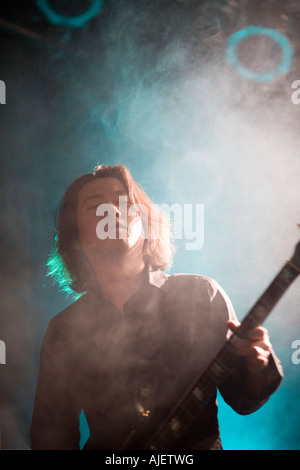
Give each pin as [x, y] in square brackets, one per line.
[69, 267]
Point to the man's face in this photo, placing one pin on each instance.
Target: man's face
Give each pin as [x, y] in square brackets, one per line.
[98, 210]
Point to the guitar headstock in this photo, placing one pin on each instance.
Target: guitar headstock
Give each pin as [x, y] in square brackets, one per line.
[296, 257]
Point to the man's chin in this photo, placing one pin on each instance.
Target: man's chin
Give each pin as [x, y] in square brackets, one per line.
[112, 249]
[113, 245]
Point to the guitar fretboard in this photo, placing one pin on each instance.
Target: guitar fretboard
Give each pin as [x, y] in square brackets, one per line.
[186, 411]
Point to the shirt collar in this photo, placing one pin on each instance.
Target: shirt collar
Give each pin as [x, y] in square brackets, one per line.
[149, 294]
[153, 277]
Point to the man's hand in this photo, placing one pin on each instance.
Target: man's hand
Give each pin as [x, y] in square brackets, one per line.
[255, 348]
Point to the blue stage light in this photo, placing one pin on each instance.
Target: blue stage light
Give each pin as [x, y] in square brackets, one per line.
[286, 49]
[75, 21]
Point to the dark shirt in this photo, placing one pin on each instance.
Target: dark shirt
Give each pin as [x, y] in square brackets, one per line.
[114, 366]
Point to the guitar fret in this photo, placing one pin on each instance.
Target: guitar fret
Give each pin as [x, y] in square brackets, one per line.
[217, 370]
[188, 407]
[175, 425]
[160, 440]
[198, 394]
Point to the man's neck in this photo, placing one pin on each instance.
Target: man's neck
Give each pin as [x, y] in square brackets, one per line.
[119, 281]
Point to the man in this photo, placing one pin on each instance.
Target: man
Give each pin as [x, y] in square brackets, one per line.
[136, 338]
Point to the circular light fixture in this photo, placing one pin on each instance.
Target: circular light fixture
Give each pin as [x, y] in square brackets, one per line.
[75, 21]
[286, 49]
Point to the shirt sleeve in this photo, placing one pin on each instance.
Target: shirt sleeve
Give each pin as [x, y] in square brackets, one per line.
[55, 422]
[234, 389]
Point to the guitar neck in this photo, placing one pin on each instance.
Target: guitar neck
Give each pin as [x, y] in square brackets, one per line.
[186, 411]
[265, 304]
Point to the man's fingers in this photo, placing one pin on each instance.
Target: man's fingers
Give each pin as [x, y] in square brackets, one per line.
[233, 324]
[257, 335]
[260, 352]
[258, 362]
[247, 348]
[255, 348]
